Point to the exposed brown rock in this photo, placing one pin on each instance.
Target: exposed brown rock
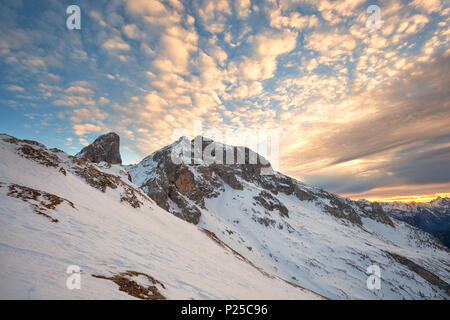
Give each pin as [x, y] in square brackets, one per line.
[177, 183]
[133, 288]
[37, 152]
[341, 209]
[40, 201]
[265, 221]
[185, 181]
[101, 181]
[79, 166]
[105, 148]
[130, 196]
[375, 212]
[175, 188]
[96, 178]
[39, 155]
[228, 176]
[271, 203]
[303, 195]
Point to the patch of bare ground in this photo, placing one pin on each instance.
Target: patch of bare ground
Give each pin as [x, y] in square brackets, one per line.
[81, 167]
[271, 203]
[213, 236]
[424, 273]
[131, 287]
[130, 197]
[376, 213]
[97, 179]
[342, 210]
[101, 181]
[39, 155]
[37, 152]
[40, 201]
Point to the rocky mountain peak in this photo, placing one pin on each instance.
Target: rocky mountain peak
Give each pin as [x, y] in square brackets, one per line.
[439, 201]
[205, 151]
[105, 148]
[184, 176]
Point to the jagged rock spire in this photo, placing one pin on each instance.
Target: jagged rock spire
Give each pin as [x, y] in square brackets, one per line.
[104, 148]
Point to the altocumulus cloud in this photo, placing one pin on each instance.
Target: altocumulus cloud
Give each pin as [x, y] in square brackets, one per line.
[348, 100]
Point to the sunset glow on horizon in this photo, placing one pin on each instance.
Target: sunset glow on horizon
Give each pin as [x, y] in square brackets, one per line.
[410, 198]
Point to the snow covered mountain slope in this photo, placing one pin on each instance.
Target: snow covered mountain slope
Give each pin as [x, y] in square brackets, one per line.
[432, 217]
[57, 211]
[315, 239]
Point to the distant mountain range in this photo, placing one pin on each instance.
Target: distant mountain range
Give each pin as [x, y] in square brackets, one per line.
[163, 229]
[432, 217]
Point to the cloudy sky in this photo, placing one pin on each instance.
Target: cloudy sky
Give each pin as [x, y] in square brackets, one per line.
[360, 111]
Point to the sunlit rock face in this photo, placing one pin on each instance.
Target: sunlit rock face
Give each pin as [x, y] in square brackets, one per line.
[104, 148]
[181, 186]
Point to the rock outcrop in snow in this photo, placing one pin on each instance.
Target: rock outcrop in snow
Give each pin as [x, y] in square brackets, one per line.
[183, 191]
[314, 238]
[105, 148]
